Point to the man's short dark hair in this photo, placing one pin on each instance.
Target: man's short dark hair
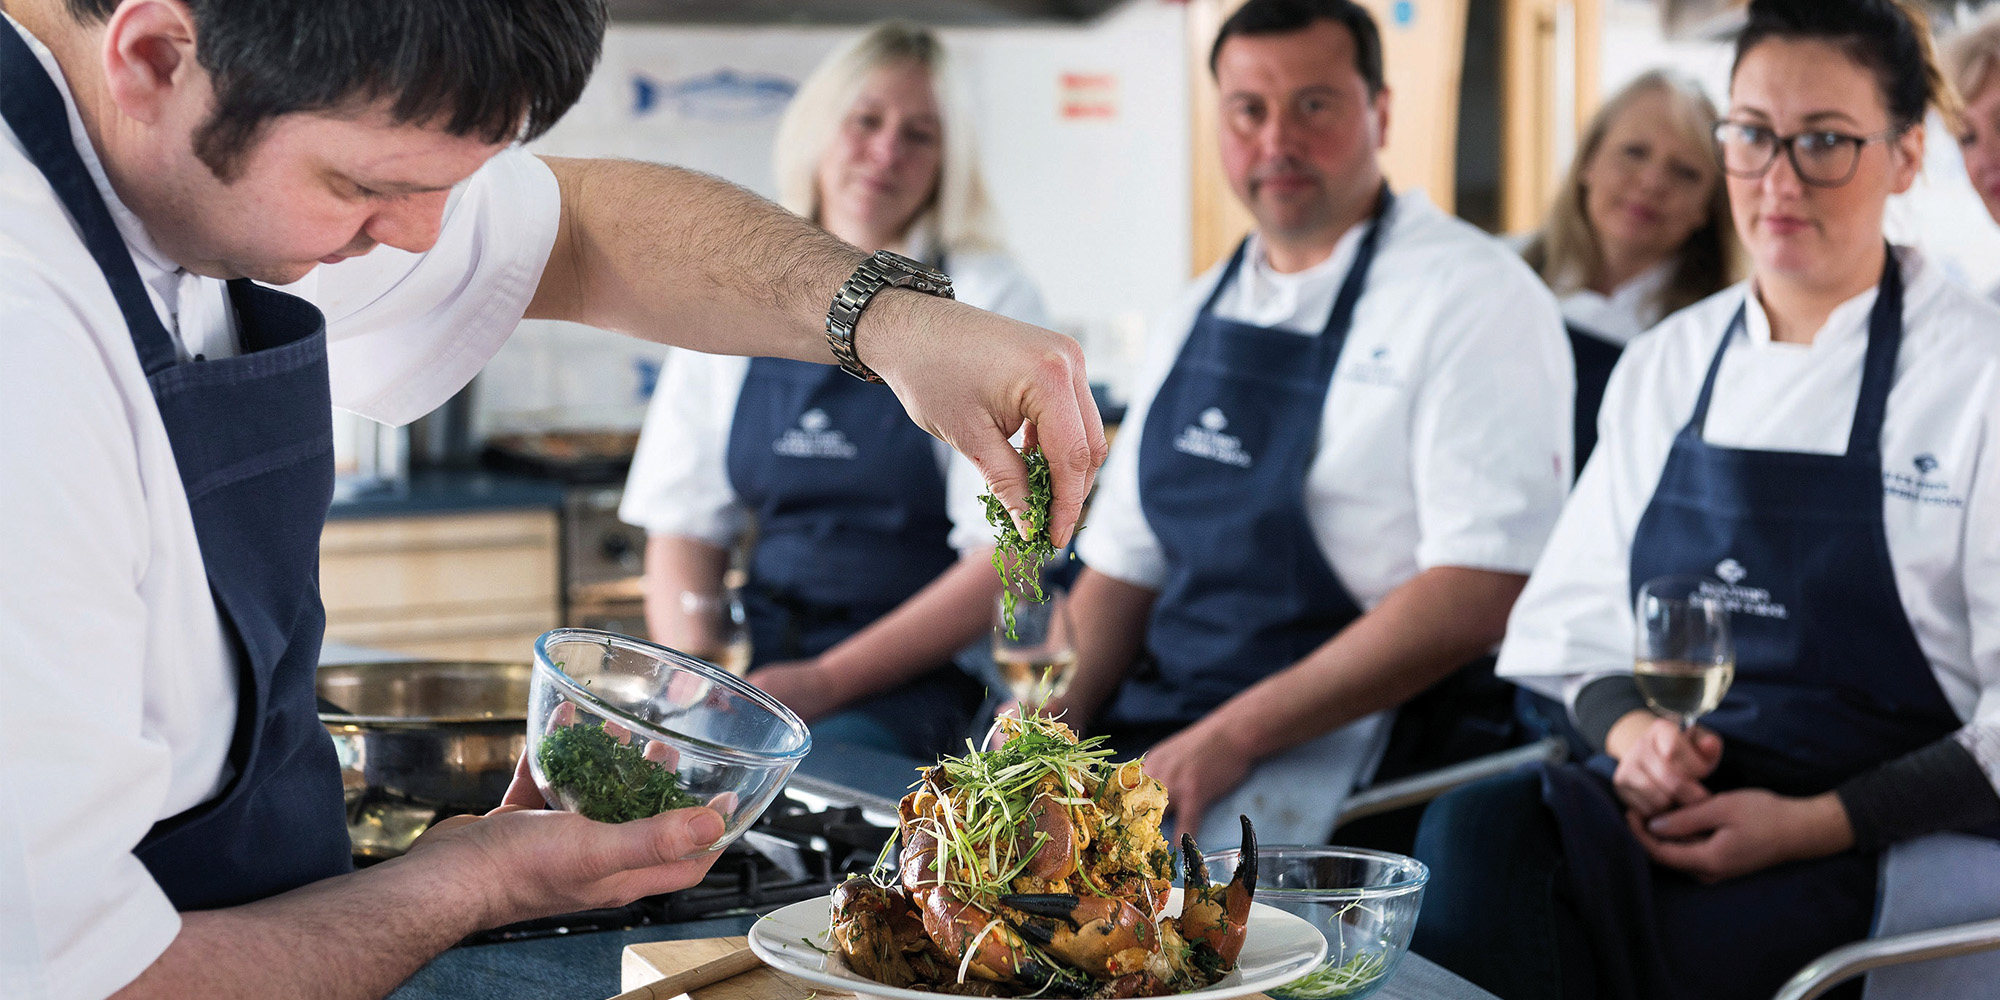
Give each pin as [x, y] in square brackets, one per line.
[494, 69]
[1282, 17]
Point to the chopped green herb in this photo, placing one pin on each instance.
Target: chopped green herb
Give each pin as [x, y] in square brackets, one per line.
[606, 780]
[1019, 560]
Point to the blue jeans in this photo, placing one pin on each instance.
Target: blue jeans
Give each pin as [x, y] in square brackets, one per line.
[1496, 910]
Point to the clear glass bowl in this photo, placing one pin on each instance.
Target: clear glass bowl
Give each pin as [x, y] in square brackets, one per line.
[621, 729]
[1365, 902]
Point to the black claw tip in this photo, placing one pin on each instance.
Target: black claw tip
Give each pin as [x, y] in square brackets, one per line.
[1197, 873]
[1246, 865]
[1034, 932]
[1043, 904]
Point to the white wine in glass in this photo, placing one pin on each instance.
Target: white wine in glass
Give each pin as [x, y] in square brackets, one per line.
[1685, 658]
[1036, 663]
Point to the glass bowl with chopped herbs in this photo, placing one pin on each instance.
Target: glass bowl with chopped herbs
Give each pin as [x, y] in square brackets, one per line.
[1365, 903]
[621, 729]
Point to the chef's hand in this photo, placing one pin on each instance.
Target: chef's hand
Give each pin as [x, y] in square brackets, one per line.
[806, 687]
[1743, 831]
[973, 378]
[1198, 766]
[1660, 767]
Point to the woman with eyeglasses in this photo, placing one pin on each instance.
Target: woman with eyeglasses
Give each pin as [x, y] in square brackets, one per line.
[1815, 442]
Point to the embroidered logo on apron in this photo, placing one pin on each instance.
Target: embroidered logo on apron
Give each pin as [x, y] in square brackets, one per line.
[1920, 488]
[814, 437]
[1205, 439]
[1746, 600]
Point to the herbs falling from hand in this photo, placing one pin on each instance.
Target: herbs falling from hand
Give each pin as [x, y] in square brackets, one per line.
[606, 780]
[1019, 559]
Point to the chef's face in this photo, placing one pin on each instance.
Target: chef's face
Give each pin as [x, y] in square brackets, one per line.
[1980, 142]
[314, 188]
[1647, 184]
[1813, 235]
[882, 167]
[1299, 129]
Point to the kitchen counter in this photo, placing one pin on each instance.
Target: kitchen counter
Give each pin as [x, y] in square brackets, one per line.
[586, 967]
[445, 491]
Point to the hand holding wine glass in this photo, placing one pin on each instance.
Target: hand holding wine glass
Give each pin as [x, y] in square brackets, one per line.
[1037, 660]
[1685, 658]
[715, 629]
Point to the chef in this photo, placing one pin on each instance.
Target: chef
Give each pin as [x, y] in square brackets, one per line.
[872, 559]
[1814, 442]
[1349, 442]
[172, 822]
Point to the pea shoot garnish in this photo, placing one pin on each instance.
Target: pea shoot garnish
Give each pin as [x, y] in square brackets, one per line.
[1019, 559]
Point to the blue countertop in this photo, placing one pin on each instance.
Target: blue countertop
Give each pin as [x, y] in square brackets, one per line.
[445, 491]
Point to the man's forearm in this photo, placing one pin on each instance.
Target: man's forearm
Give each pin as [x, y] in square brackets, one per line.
[680, 257]
[1110, 620]
[355, 936]
[676, 565]
[1422, 631]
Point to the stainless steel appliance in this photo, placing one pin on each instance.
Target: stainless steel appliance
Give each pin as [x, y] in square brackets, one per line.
[603, 558]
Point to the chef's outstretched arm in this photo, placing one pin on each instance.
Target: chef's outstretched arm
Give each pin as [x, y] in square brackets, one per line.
[356, 936]
[683, 258]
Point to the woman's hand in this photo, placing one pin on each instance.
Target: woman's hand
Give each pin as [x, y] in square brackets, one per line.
[1659, 766]
[1199, 765]
[1744, 831]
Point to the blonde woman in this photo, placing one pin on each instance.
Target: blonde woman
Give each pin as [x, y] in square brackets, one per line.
[1639, 230]
[870, 564]
[1971, 61]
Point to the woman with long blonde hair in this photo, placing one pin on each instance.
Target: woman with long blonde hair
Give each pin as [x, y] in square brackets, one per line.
[1639, 228]
[869, 567]
[1971, 60]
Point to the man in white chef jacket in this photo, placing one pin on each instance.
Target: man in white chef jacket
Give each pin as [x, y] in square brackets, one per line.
[1348, 446]
[171, 819]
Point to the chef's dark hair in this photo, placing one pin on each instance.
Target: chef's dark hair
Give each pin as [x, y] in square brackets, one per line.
[1282, 17]
[494, 69]
[1890, 38]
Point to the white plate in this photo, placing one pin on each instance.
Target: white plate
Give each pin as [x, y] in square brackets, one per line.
[1277, 948]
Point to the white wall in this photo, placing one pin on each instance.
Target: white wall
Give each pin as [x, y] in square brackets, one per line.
[1095, 209]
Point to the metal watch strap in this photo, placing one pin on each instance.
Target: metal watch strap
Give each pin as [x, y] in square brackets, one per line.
[883, 270]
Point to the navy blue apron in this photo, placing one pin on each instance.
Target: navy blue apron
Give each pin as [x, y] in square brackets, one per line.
[253, 438]
[851, 521]
[1223, 461]
[1830, 680]
[1595, 357]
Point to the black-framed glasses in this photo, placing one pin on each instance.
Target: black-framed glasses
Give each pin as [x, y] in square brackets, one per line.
[1820, 157]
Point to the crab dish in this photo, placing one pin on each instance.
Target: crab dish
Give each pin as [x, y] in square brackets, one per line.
[1039, 868]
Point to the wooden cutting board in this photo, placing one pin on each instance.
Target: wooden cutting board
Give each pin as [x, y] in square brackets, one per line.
[655, 960]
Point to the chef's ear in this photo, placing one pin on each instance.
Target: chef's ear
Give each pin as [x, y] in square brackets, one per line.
[149, 62]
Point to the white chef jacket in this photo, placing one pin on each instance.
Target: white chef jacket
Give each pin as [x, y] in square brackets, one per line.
[679, 483]
[1941, 491]
[117, 689]
[1630, 310]
[1445, 438]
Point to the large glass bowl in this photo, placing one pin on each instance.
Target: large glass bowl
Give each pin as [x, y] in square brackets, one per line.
[1365, 902]
[621, 729]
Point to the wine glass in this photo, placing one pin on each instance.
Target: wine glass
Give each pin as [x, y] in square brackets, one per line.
[1038, 658]
[1685, 658]
[716, 628]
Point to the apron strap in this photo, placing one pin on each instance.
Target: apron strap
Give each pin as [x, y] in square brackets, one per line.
[1342, 317]
[34, 108]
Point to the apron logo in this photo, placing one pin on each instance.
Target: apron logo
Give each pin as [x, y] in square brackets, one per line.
[814, 437]
[1920, 488]
[1207, 440]
[1372, 368]
[1742, 600]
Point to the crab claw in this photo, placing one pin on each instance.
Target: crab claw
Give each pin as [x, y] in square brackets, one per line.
[1214, 917]
[1059, 905]
[1103, 936]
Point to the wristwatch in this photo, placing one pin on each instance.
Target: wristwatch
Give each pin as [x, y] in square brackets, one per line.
[884, 270]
